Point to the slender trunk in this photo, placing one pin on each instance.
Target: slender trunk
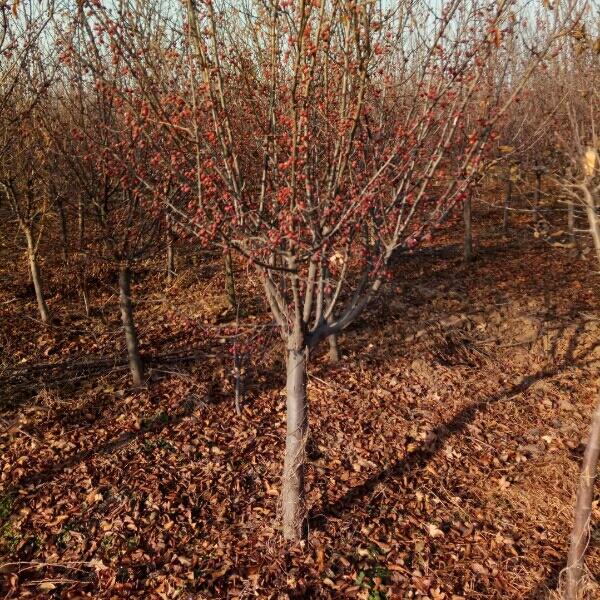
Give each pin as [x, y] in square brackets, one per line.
[36, 278]
[590, 209]
[131, 338]
[334, 349]
[583, 509]
[507, 199]
[85, 295]
[63, 231]
[83, 286]
[587, 477]
[297, 429]
[170, 252]
[80, 244]
[571, 221]
[170, 263]
[230, 280]
[468, 241]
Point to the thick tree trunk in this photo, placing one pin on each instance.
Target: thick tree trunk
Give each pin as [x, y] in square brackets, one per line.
[507, 199]
[230, 280]
[297, 429]
[468, 241]
[170, 252]
[131, 338]
[36, 278]
[583, 510]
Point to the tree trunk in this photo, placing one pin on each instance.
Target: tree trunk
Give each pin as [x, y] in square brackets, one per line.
[36, 278]
[571, 221]
[507, 199]
[468, 241]
[230, 280]
[587, 477]
[297, 429]
[83, 285]
[334, 349]
[85, 296]
[170, 252]
[131, 338]
[590, 209]
[583, 509]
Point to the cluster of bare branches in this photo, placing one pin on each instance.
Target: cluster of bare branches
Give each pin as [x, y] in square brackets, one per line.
[317, 142]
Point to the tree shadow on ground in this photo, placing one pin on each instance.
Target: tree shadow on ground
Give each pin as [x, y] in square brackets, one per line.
[151, 426]
[20, 385]
[571, 356]
[420, 456]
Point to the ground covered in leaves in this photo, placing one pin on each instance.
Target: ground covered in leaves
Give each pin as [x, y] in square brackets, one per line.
[444, 446]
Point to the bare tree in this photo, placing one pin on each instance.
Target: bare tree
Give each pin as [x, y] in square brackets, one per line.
[24, 80]
[584, 189]
[318, 141]
[24, 180]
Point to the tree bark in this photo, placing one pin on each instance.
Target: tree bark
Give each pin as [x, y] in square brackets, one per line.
[334, 349]
[131, 338]
[468, 241]
[230, 280]
[583, 509]
[571, 221]
[297, 429]
[36, 278]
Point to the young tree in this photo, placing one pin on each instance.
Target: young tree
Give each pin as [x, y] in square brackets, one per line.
[25, 184]
[587, 192]
[25, 76]
[128, 227]
[123, 220]
[317, 140]
[581, 146]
